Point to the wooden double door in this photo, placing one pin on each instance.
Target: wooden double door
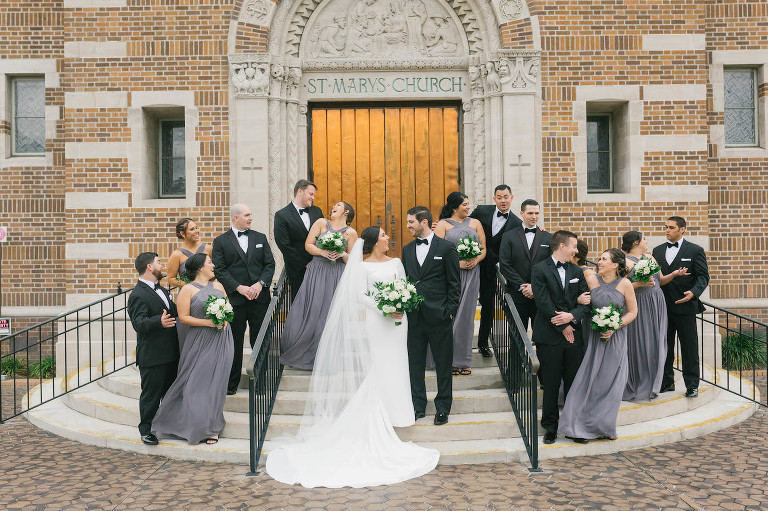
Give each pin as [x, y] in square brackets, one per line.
[384, 160]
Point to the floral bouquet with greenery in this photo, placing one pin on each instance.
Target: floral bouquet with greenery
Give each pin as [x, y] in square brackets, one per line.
[331, 241]
[468, 248]
[607, 318]
[219, 310]
[395, 296]
[643, 270]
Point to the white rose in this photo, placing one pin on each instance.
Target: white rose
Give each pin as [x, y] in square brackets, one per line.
[388, 309]
[406, 296]
[462, 247]
[394, 295]
[214, 308]
[411, 288]
[339, 243]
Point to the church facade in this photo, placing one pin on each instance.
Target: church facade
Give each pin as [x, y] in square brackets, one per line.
[121, 116]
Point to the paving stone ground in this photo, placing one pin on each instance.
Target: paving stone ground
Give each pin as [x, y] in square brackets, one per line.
[723, 470]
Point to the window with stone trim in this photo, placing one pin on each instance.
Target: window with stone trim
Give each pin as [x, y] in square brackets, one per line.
[741, 115]
[27, 115]
[172, 164]
[599, 153]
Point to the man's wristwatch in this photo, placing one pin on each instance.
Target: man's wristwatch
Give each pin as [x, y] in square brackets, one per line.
[263, 284]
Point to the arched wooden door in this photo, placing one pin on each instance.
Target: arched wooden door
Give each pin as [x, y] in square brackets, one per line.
[385, 160]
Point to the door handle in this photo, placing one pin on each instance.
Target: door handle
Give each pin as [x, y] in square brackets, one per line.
[378, 220]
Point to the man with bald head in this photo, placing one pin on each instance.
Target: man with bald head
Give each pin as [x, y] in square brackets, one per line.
[244, 265]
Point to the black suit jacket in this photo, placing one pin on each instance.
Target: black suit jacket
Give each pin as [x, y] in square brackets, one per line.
[438, 280]
[690, 256]
[291, 234]
[156, 345]
[516, 260]
[549, 295]
[484, 214]
[233, 267]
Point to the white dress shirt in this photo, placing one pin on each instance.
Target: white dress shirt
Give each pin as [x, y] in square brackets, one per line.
[529, 236]
[158, 291]
[421, 250]
[304, 216]
[561, 271]
[242, 240]
[498, 222]
[672, 251]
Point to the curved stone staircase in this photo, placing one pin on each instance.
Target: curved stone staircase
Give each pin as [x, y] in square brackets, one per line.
[481, 429]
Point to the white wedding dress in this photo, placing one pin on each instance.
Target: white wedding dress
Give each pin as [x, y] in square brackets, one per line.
[359, 390]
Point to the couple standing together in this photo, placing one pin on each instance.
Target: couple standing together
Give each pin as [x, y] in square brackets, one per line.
[359, 388]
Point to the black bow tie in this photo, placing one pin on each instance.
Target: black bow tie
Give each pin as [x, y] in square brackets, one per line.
[303, 210]
[560, 265]
[505, 215]
[425, 241]
[242, 233]
[157, 286]
[527, 230]
[675, 244]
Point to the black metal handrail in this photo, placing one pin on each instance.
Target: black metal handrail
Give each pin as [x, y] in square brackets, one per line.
[83, 327]
[518, 364]
[265, 370]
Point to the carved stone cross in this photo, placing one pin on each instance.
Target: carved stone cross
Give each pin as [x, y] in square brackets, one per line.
[252, 169]
[519, 165]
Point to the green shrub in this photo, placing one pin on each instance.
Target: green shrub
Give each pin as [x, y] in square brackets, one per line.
[744, 351]
[13, 366]
[46, 368]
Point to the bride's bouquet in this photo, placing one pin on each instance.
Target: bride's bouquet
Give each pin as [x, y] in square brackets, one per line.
[398, 295]
[219, 310]
[468, 248]
[643, 270]
[607, 318]
[331, 241]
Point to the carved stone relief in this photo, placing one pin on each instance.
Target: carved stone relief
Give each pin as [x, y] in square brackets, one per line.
[510, 10]
[257, 12]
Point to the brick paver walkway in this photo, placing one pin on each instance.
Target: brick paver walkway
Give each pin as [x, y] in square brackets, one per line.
[723, 470]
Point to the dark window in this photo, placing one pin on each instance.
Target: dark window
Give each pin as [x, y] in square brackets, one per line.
[740, 107]
[28, 115]
[599, 171]
[173, 179]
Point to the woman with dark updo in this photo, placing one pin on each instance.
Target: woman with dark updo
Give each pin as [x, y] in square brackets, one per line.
[193, 408]
[592, 406]
[189, 234]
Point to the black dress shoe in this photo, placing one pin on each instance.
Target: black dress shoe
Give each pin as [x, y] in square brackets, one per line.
[578, 440]
[231, 392]
[485, 352]
[149, 439]
[549, 437]
[419, 415]
[691, 392]
[667, 388]
[440, 419]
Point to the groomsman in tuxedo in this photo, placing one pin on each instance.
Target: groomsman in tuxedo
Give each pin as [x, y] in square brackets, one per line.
[292, 224]
[433, 264]
[520, 249]
[687, 262]
[244, 265]
[496, 221]
[153, 316]
[557, 284]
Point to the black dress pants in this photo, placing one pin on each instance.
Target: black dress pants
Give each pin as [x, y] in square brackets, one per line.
[487, 306]
[685, 328]
[557, 362]
[527, 312]
[439, 338]
[155, 382]
[295, 279]
[250, 313]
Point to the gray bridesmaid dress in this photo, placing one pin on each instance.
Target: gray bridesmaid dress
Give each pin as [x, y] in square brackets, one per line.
[193, 408]
[181, 328]
[306, 319]
[592, 406]
[647, 342]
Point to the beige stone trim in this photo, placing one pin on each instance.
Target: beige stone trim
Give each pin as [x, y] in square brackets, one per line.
[663, 143]
[77, 300]
[85, 4]
[94, 150]
[17, 311]
[674, 92]
[730, 303]
[96, 99]
[667, 42]
[96, 251]
[607, 93]
[95, 49]
[678, 193]
[95, 200]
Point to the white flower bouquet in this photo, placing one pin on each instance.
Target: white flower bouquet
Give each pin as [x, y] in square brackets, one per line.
[219, 310]
[468, 248]
[331, 241]
[607, 318]
[395, 296]
[643, 270]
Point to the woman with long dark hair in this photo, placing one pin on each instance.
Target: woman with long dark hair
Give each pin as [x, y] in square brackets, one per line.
[454, 225]
[188, 232]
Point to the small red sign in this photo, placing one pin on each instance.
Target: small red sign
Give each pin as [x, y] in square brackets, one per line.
[5, 326]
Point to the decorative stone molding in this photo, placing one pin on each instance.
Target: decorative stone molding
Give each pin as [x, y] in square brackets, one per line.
[384, 64]
[257, 12]
[510, 10]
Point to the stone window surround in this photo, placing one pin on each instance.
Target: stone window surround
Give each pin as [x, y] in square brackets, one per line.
[627, 108]
[721, 59]
[144, 194]
[12, 68]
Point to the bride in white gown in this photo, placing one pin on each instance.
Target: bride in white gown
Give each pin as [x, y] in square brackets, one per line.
[358, 391]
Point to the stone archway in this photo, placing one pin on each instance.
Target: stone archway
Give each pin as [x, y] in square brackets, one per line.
[271, 89]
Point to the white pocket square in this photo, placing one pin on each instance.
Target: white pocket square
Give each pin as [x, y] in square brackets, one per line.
[573, 281]
[684, 259]
[438, 257]
[544, 245]
[258, 245]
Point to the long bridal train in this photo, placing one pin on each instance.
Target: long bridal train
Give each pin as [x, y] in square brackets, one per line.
[359, 390]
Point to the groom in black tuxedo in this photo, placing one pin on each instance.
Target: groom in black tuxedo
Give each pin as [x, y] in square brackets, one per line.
[557, 284]
[244, 265]
[433, 265]
[153, 316]
[496, 220]
[291, 228]
[687, 263]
